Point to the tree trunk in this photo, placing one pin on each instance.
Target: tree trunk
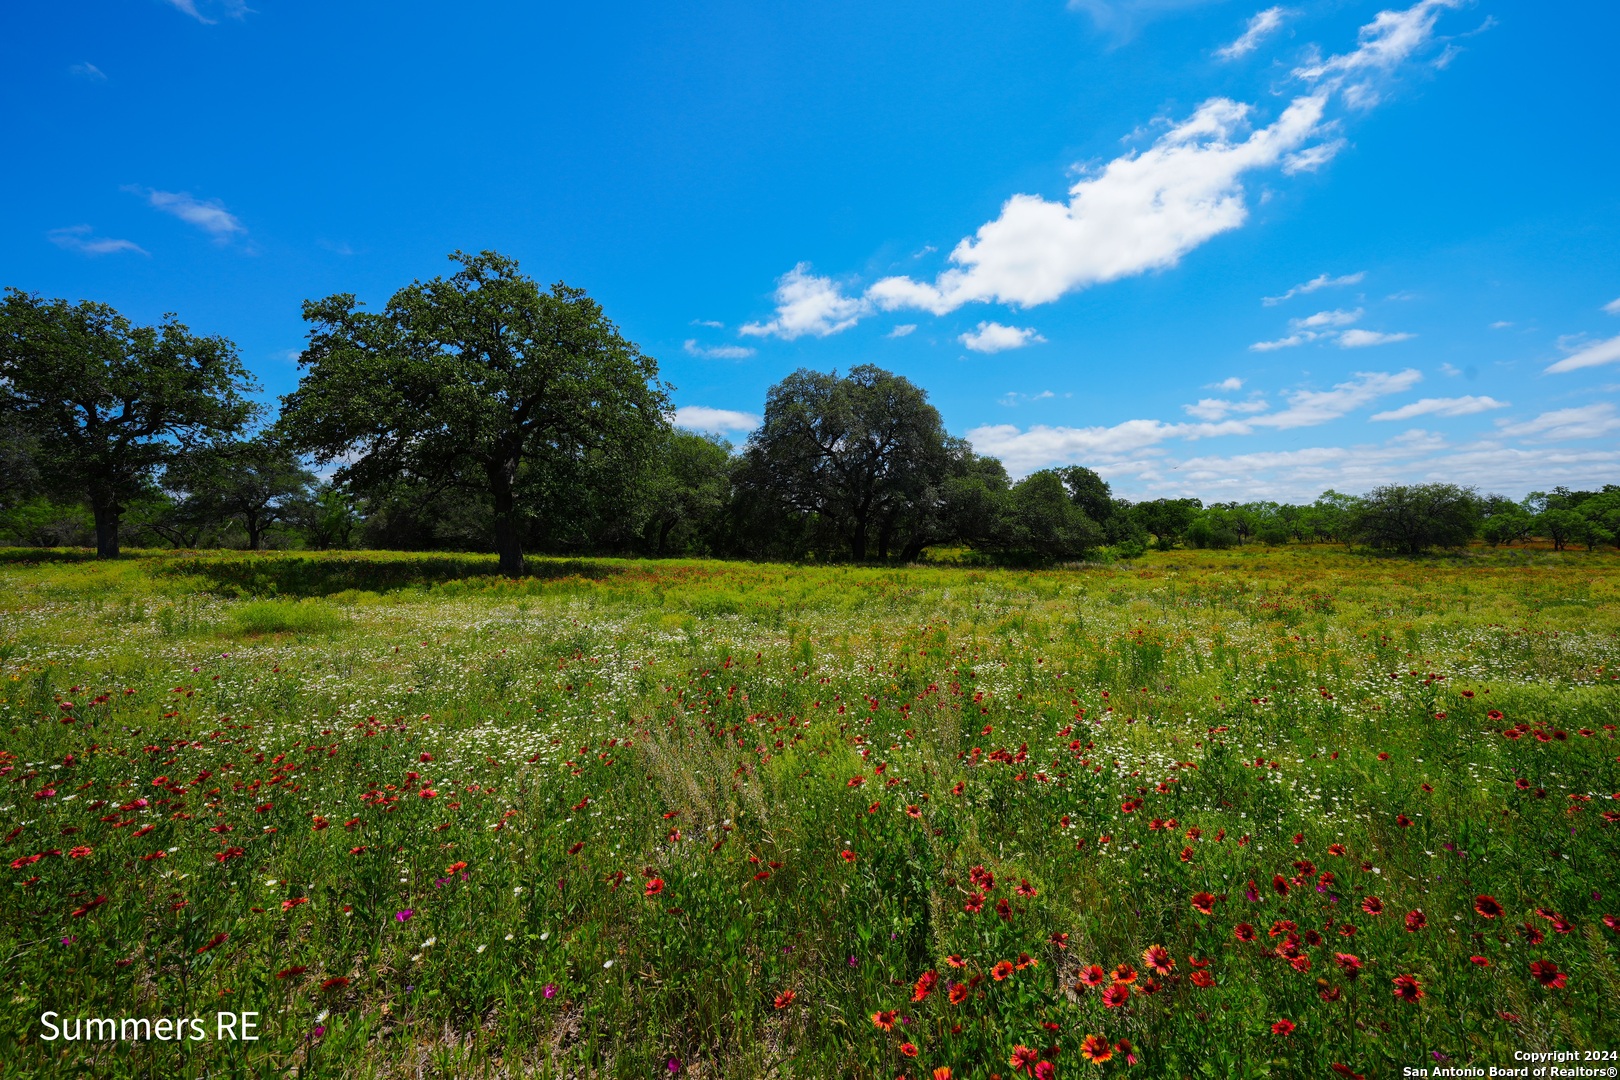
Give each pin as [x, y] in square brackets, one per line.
[857, 541]
[107, 512]
[508, 539]
[253, 530]
[663, 534]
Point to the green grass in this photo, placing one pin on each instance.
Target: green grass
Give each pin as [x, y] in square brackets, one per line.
[326, 742]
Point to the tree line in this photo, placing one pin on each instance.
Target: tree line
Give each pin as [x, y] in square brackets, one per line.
[483, 411]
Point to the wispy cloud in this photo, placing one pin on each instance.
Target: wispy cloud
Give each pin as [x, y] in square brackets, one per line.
[902, 330]
[808, 304]
[717, 352]
[82, 238]
[1216, 409]
[89, 71]
[1456, 406]
[1361, 339]
[1336, 317]
[1613, 306]
[1261, 26]
[1594, 355]
[1230, 384]
[231, 9]
[703, 418]
[1391, 39]
[1320, 281]
[993, 337]
[1582, 422]
[208, 215]
[712, 324]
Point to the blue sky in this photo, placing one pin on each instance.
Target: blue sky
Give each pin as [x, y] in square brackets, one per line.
[1207, 247]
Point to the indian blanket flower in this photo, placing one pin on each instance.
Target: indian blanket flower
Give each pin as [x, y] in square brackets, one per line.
[1203, 903]
[1283, 1027]
[79, 852]
[654, 886]
[1124, 973]
[1372, 905]
[1243, 932]
[1547, 974]
[1116, 995]
[1093, 975]
[847, 855]
[1002, 970]
[1096, 1049]
[925, 985]
[785, 998]
[1415, 921]
[1487, 907]
[884, 1019]
[908, 1049]
[335, 983]
[959, 993]
[1023, 1059]
[1157, 958]
[1407, 988]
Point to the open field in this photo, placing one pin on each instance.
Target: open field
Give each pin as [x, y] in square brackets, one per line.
[1249, 813]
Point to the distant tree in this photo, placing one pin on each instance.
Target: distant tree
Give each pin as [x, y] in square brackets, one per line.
[1047, 522]
[1503, 521]
[1563, 527]
[325, 516]
[1167, 519]
[254, 483]
[976, 508]
[107, 404]
[854, 452]
[1332, 514]
[481, 382]
[1414, 518]
[685, 492]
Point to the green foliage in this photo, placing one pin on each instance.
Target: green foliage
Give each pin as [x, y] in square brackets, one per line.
[106, 404]
[287, 617]
[481, 382]
[1411, 519]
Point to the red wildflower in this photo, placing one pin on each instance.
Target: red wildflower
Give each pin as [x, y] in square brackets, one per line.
[974, 903]
[1407, 987]
[1415, 921]
[1116, 995]
[1124, 973]
[1479, 961]
[1202, 979]
[847, 856]
[1024, 888]
[1372, 905]
[955, 961]
[1243, 932]
[908, 1049]
[654, 887]
[79, 852]
[1283, 1027]
[287, 973]
[1204, 903]
[1157, 958]
[925, 985]
[1093, 975]
[1349, 962]
[1023, 1059]
[785, 998]
[1548, 975]
[1002, 970]
[214, 942]
[1095, 1049]
[1280, 884]
[884, 1019]
[335, 983]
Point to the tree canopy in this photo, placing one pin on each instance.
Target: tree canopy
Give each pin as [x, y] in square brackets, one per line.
[481, 381]
[104, 404]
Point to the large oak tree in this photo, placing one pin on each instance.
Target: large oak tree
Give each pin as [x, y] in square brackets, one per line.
[106, 404]
[477, 381]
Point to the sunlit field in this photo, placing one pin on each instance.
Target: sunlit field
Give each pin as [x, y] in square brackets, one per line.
[1283, 812]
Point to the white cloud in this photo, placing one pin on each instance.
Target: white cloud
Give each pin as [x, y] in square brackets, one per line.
[1215, 409]
[1024, 450]
[1307, 408]
[1360, 339]
[1500, 324]
[1285, 342]
[208, 215]
[902, 330]
[1141, 212]
[712, 324]
[717, 352]
[1325, 318]
[1013, 398]
[1262, 25]
[1613, 306]
[1320, 281]
[1581, 422]
[1312, 157]
[80, 238]
[1450, 369]
[89, 71]
[808, 304]
[1389, 40]
[703, 418]
[992, 337]
[1457, 406]
[1230, 384]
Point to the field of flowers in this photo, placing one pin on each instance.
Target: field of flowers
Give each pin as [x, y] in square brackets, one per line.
[1266, 812]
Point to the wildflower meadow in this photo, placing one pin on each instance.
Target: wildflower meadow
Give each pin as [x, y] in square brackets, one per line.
[1266, 812]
